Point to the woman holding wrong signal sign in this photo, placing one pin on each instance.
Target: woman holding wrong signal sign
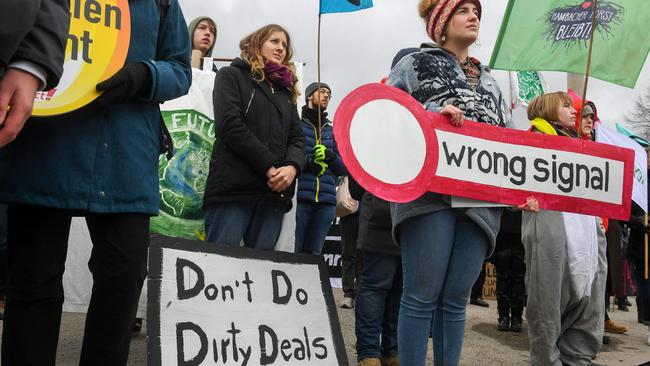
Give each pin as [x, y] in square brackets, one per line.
[443, 248]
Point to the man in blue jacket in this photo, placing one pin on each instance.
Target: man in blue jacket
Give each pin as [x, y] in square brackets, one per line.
[100, 162]
[317, 184]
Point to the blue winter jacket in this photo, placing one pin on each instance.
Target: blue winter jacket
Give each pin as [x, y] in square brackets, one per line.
[105, 159]
[319, 190]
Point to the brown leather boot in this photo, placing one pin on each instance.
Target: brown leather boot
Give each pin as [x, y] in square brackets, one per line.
[612, 327]
[390, 361]
[370, 361]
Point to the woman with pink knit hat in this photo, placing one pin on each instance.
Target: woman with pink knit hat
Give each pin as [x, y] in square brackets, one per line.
[443, 248]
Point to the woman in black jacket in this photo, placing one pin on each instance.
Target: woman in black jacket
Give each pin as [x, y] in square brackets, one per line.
[259, 148]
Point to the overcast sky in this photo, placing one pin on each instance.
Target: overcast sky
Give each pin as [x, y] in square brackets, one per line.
[357, 48]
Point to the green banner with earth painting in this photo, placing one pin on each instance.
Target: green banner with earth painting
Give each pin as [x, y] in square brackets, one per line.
[182, 179]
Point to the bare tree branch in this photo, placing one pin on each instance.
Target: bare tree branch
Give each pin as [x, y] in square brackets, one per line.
[639, 118]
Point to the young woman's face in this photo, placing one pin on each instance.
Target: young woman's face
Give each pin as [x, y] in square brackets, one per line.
[567, 115]
[464, 24]
[275, 48]
[204, 36]
[587, 124]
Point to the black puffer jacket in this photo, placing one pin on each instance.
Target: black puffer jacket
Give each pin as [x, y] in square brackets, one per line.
[256, 128]
[375, 224]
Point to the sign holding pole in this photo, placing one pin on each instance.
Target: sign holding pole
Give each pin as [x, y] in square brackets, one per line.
[398, 151]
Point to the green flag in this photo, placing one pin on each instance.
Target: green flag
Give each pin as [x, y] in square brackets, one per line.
[553, 35]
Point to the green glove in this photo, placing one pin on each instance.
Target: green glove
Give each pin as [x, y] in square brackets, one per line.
[319, 152]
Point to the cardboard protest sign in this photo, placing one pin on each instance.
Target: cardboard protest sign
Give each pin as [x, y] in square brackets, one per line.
[398, 151]
[211, 304]
[97, 45]
[332, 254]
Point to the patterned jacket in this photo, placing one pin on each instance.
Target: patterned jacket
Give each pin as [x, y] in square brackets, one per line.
[435, 78]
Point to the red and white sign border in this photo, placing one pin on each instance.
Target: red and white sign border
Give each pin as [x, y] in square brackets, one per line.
[426, 180]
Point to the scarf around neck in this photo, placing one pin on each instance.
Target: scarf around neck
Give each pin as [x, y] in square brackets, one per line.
[278, 74]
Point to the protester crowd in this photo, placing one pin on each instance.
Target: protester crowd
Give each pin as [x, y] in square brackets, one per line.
[408, 268]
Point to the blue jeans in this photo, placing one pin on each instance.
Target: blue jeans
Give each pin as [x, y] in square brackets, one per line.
[257, 223]
[377, 307]
[442, 255]
[313, 221]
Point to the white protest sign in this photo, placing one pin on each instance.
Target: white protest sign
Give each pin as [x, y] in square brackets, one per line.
[398, 151]
[211, 304]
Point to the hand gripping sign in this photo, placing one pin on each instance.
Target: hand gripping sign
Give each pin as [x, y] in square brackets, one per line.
[97, 45]
[398, 151]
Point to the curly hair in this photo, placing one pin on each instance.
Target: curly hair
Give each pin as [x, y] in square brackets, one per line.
[251, 52]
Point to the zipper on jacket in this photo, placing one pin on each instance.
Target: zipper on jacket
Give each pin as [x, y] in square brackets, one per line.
[317, 142]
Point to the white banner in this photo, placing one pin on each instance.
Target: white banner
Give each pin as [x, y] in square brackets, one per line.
[609, 136]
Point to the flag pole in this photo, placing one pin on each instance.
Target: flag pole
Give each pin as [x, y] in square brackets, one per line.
[589, 53]
[645, 235]
[318, 137]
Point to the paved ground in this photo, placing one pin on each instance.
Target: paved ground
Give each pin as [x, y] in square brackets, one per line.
[484, 345]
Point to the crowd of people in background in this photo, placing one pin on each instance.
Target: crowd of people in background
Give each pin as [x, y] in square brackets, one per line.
[409, 269]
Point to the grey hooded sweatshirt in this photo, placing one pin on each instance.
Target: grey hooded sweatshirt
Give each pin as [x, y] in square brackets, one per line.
[192, 27]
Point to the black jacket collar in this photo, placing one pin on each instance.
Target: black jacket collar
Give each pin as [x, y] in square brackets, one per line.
[264, 85]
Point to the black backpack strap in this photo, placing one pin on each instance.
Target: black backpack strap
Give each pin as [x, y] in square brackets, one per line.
[166, 142]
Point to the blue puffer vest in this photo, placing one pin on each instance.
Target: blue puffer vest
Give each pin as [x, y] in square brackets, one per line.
[310, 188]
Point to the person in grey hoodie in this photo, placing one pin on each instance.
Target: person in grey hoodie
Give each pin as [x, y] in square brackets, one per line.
[566, 264]
[203, 36]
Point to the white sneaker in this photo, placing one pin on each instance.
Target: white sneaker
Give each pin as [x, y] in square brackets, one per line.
[648, 340]
[346, 303]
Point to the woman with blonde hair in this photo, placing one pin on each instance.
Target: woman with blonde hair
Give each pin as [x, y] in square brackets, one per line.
[443, 248]
[259, 148]
[566, 264]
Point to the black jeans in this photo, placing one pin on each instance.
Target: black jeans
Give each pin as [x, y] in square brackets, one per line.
[351, 257]
[37, 244]
[642, 292]
[509, 260]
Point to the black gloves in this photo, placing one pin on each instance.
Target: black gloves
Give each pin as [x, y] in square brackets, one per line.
[330, 156]
[134, 79]
[318, 167]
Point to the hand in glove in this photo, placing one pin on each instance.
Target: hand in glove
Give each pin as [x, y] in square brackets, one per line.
[318, 167]
[319, 152]
[324, 154]
[132, 80]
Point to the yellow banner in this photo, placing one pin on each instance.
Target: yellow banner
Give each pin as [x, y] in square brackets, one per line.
[98, 42]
